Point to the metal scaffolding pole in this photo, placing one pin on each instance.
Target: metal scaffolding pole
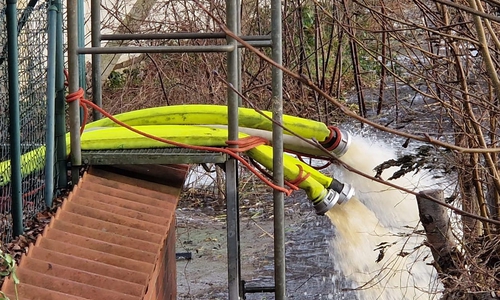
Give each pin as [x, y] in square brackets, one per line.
[95, 38]
[156, 49]
[178, 36]
[278, 174]
[73, 86]
[232, 198]
[81, 43]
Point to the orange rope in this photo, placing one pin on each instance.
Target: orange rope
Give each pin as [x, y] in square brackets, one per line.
[78, 95]
[300, 177]
[247, 143]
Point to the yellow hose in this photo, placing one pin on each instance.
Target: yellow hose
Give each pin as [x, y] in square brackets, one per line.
[31, 161]
[216, 115]
[115, 138]
[320, 177]
[313, 189]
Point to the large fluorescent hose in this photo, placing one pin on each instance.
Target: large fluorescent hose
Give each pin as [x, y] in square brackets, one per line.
[115, 138]
[119, 138]
[290, 142]
[323, 191]
[214, 114]
[334, 139]
[31, 161]
[264, 155]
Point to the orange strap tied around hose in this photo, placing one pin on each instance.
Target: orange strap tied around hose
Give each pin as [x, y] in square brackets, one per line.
[247, 143]
[300, 177]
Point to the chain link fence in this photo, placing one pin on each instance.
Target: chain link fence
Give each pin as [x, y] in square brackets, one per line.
[32, 50]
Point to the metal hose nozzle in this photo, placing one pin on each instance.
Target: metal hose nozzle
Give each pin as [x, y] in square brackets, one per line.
[323, 205]
[337, 193]
[345, 190]
[338, 142]
[344, 144]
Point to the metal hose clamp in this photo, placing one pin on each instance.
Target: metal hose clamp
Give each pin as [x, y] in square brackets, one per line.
[344, 144]
[325, 204]
[346, 193]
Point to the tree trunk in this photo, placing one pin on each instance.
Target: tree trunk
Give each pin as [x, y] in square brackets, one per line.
[437, 227]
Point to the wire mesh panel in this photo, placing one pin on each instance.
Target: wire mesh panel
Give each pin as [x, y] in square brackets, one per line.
[32, 45]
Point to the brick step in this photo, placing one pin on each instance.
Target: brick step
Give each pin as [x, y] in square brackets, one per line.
[105, 236]
[153, 173]
[88, 265]
[88, 278]
[142, 187]
[112, 217]
[112, 238]
[65, 286]
[31, 292]
[106, 226]
[161, 206]
[118, 206]
[94, 255]
[101, 246]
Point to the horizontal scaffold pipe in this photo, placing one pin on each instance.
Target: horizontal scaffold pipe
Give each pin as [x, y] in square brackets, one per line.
[178, 36]
[156, 49]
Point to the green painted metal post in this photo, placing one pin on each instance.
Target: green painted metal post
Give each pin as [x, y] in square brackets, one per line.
[60, 105]
[51, 95]
[14, 127]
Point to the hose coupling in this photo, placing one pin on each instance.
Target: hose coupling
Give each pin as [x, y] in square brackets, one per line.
[326, 203]
[345, 190]
[338, 142]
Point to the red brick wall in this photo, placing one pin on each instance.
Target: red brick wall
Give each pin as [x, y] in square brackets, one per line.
[163, 282]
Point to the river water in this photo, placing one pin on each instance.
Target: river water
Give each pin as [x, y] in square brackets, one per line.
[378, 243]
[365, 249]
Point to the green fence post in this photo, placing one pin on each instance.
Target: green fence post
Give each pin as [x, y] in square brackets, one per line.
[51, 95]
[14, 122]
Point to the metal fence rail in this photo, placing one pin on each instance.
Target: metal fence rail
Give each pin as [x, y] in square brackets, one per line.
[32, 65]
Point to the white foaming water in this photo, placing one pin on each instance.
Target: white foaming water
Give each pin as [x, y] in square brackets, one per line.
[375, 244]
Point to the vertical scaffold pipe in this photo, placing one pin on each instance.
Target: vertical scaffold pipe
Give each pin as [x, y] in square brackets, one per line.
[95, 31]
[81, 44]
[60, 106]
[51, 95]
[232, 196]
[73, 86]
[14, 122]
[278, 197]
